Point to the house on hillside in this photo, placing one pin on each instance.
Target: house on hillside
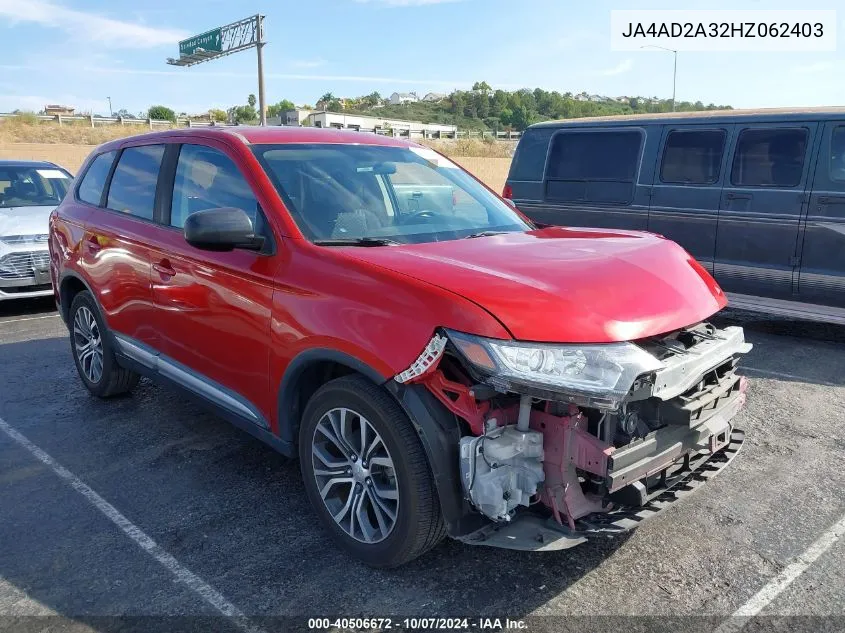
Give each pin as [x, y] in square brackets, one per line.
[434, 97]
[53, 110]
[401, 98]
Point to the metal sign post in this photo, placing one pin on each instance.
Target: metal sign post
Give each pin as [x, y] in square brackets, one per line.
[225, 40]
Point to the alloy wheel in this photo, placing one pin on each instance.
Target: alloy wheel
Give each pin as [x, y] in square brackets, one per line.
[88, 344]
[355, 475]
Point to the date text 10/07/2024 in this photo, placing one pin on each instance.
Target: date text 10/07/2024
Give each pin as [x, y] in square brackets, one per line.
[417, 624]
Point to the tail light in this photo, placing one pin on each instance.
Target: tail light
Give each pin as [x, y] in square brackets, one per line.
[507, 192]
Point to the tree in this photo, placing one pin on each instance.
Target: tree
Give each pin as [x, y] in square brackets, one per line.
[243, 114]
[498, 103]
[457, 102]
[334, 106]
[124, 113]
[481, 86]
[161, 113]
[251, 100]
[373, 99]
[522, 117]
[482, 105]
[277, 109]
[218, 115]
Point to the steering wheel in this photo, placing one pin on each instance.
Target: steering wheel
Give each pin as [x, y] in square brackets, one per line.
[425, 214]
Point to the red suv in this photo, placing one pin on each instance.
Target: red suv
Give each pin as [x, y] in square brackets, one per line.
[438, 364]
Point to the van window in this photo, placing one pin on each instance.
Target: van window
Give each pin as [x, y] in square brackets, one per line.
[692, 157]
[133, 185]
[595, 166]
[769, 157]
[91, 187]
[529, 159]
[837, 154]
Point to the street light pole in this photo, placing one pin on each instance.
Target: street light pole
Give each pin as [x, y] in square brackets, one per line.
[674, 78]
[674, 69]
[259, 46]
[111, 112]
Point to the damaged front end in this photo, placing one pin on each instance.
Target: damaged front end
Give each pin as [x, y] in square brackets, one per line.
[562, 442]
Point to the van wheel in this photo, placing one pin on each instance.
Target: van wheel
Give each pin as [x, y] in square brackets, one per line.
[93, 352]
[366, 474]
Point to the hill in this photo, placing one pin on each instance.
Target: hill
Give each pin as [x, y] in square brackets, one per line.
[483, 108]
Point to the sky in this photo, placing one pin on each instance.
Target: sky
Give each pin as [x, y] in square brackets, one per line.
[80, 52]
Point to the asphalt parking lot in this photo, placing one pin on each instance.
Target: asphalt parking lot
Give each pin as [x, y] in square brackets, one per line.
[230, 513]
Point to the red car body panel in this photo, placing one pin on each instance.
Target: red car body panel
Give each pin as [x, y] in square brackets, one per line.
[240, 318]
[567, 285]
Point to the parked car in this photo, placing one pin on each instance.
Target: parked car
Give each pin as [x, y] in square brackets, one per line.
[757, 196]
[437, 371]
[29, 191]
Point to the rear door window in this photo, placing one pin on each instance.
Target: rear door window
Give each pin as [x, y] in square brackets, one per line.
[133, 185]
[94, 181]
[769, 157]
[692, 157]
[529, 160]
[593, 166]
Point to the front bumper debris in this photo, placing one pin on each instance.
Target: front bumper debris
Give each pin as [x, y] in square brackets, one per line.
[532, 532]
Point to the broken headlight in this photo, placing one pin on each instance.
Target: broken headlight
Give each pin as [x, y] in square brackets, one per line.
[604, 372]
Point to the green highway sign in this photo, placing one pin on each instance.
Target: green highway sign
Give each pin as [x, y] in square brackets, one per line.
[211, 41]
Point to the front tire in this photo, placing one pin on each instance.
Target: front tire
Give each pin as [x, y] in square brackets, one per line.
[93, 352]
[366, 474]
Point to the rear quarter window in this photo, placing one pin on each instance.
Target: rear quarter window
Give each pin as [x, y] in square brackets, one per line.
[94, 180]
[529, 160]
[593, 166]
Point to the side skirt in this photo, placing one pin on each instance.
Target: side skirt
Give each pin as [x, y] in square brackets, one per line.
[220, 401]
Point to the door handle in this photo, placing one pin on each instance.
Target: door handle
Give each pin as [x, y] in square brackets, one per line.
[164, 268]
[737, 196]
[831, 199]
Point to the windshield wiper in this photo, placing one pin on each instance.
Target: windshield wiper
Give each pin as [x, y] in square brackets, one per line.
[485, 234]
[357, 241]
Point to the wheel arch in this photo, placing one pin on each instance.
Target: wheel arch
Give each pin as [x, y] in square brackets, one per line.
[437, 428]
[70, 285]
[306, 373]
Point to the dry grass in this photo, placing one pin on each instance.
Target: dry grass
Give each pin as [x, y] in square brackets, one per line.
[68, 145]
[28, 129]
[491, 171]
[487, 148]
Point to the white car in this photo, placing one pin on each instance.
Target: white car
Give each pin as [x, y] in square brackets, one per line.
[29, 191]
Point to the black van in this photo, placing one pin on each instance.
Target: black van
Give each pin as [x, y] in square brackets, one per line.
[757, 196]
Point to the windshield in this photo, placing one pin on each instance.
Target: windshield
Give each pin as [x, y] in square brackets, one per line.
[400, 194]
[28, 186]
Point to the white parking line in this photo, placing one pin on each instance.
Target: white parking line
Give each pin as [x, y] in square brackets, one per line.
[48, 316]
[785, 376]
[196, 584]
[758, 602]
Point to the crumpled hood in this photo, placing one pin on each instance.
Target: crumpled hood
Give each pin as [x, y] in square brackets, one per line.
[566, 285]
[25, 220]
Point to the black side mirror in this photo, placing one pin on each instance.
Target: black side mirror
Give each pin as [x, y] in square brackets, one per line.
[222, 229]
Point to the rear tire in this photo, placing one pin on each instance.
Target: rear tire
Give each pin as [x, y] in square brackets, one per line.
[93, 351]
[363, 463]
